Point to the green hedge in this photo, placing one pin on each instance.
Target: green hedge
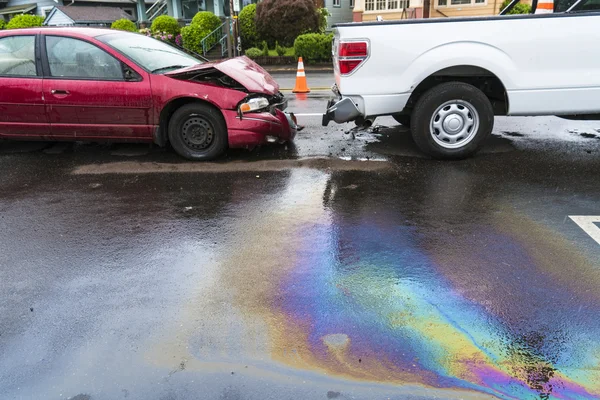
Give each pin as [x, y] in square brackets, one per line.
[247, 24]
[2, 24]
[313, 47]
[166, 24]
[25, 21]
[124, 25]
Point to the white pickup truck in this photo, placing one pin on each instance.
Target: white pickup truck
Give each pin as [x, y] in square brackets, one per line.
[447, 78]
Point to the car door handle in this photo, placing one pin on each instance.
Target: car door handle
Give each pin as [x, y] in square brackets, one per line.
[60, 92]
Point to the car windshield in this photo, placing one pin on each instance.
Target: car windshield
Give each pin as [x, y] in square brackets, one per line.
[149, 53]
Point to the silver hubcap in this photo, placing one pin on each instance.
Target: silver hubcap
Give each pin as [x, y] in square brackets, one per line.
[454, 124]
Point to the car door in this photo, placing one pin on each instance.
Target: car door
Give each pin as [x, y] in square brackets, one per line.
[22, 112]
[90, 94]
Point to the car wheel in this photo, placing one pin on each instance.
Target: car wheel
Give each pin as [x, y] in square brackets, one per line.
[198, 132]
[451, 120]
[402, 119]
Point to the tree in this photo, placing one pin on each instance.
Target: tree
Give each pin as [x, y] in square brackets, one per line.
[284, 20]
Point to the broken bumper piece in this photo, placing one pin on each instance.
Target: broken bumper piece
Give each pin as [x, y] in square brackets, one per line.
[340, 111]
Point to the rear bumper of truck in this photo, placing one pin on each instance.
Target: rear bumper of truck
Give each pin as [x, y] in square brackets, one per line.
[345, 108]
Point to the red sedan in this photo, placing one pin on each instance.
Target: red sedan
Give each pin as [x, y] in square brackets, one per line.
[100, 84]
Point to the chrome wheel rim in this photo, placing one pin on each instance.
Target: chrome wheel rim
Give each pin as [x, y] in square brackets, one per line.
[454, 124]
[197, 133]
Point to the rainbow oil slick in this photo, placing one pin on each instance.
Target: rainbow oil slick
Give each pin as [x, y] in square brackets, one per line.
[369, 302]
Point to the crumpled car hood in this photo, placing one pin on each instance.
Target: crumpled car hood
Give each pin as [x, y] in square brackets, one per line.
[242, 69]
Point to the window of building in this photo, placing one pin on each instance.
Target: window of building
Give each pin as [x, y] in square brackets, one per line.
[444, 3]
[191, 7]
[386, 5]
[351, 3]
[337, 3]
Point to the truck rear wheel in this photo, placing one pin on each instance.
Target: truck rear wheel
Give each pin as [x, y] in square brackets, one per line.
[451, 120]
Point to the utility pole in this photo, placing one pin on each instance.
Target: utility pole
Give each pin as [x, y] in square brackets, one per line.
[229, 34]
[233, 31]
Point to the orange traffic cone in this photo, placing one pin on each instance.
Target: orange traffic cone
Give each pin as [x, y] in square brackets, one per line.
[301, 85]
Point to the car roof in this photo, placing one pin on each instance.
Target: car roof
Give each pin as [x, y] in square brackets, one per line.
[66, 31]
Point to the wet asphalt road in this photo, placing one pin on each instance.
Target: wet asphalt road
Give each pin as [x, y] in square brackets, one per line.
[335, 268]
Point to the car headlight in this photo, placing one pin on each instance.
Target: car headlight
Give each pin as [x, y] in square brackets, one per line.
[254, 104]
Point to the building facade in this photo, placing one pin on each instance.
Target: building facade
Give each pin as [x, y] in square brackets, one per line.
[370, 10]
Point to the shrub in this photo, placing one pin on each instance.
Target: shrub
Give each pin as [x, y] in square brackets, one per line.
[25, 21]
[284, 20]
[191, 36]
[2, 24]
[206, 21]
[202, 24]
[166, 24]
[247, 25]
[520, 8]
[323, 14]
[314, 47]
[280, 49]
[254, 52]
[265, 49]
[124, 25]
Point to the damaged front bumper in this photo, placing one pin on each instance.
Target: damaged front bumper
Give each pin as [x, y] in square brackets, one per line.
[270, 125]
[340, 110]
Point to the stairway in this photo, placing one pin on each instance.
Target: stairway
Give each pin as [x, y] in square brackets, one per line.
[215, 54]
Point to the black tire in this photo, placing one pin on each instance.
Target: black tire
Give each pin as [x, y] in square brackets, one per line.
[198, 132]
[448, 107]
[402, 119]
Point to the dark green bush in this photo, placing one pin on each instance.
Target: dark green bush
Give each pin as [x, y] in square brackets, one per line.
[25, 21]
[279, 49]
[265, 49]
[314, 47]
[254, 52]
[124, 25]
[247, 24]
[166, 24]
[284, 20]
[520, 8]
[2, 24]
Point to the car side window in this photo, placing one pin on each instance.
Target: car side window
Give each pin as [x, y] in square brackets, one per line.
[17, 56]
[74, 58]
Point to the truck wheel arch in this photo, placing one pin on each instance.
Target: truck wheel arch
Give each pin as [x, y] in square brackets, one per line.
[479, 77]
[462, 61]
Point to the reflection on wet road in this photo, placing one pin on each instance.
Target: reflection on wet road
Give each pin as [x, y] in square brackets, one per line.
[149, 278]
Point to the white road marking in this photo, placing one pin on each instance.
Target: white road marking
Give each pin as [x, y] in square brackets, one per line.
[588, 224]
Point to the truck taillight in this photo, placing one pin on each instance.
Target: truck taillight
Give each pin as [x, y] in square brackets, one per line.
[351, 55]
